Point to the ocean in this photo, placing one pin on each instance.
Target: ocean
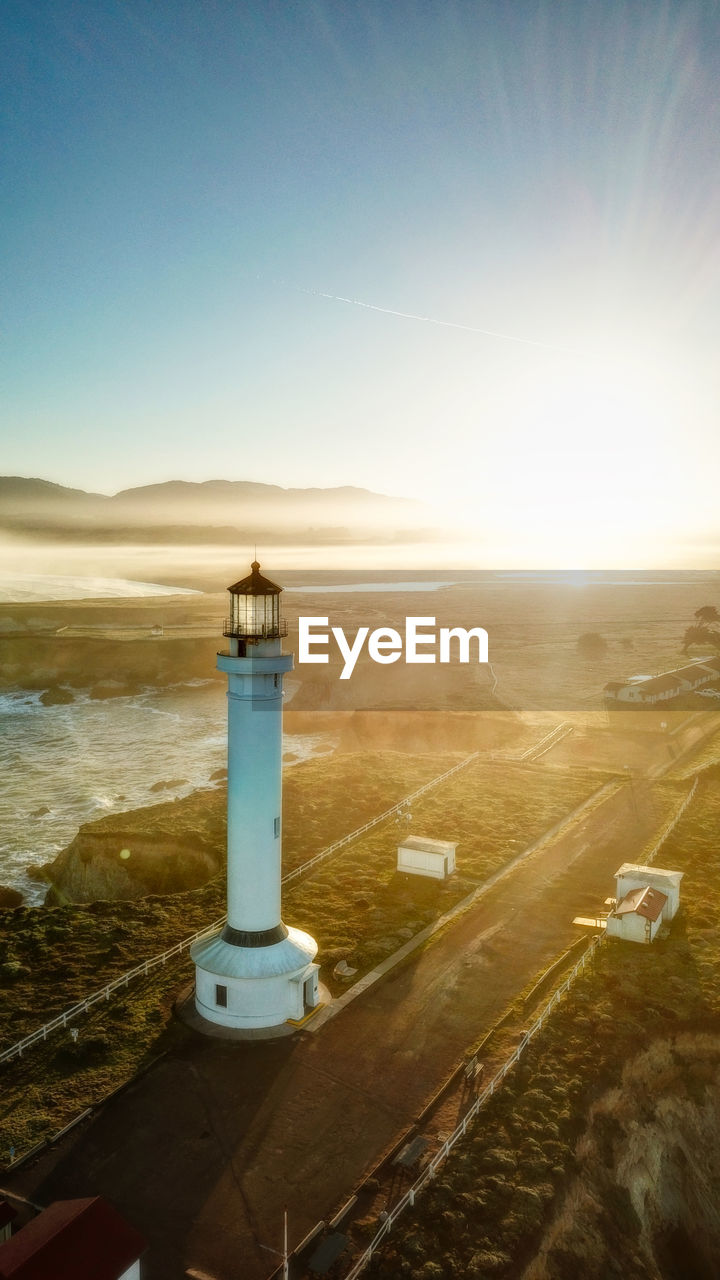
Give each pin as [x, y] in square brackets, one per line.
[65, 765]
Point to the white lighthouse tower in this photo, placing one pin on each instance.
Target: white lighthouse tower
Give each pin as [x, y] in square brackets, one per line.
[255, 973]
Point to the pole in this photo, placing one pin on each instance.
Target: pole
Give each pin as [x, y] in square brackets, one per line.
[286, 1270]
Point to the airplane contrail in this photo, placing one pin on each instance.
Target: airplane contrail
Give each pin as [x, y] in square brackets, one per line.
[444, 324]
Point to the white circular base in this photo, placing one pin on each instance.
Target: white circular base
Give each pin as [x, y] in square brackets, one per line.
[248, 987]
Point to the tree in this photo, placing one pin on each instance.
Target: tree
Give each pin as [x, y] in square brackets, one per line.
[707, 615]
[703, 630]
[701, 635]
[591, 645]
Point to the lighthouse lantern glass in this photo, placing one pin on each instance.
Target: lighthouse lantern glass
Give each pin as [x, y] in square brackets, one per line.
[255, 608]
[255, 615]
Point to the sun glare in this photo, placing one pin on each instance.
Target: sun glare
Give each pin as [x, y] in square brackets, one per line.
[579, 465]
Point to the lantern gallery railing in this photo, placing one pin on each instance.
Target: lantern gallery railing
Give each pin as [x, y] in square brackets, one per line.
[255, 631]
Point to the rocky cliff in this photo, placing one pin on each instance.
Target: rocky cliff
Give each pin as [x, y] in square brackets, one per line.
[163, 849]
[644, 1200]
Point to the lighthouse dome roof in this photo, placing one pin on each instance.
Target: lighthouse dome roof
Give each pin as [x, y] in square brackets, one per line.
[255, 584]
[290, 956]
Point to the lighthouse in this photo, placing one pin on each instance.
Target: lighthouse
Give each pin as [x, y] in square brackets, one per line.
[256, 973]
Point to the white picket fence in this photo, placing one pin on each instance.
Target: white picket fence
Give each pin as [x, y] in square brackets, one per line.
[431, 1168]
[382, 817]
[157, 961]
[546, 744]
[650, 857]
[62, 1019]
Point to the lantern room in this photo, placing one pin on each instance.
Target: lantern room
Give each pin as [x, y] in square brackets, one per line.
[255, 609]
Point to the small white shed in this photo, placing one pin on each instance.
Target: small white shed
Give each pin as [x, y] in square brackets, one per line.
[632, 876]
[419, 856]
[638, 916]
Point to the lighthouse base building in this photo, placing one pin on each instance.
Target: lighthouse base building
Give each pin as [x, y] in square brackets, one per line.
[256, 973]
[250, 987]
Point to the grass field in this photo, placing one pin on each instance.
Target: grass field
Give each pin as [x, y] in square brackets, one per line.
[177, 845]
[355, 905]
[629, 1063]
[705, 755]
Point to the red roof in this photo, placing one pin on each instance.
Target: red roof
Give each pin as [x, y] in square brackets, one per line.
[70, 1240]
[645, 902]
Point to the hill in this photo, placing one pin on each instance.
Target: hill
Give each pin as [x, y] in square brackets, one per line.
[179, 511]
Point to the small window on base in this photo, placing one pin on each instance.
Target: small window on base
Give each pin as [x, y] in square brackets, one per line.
[221, 996]
[276, 827]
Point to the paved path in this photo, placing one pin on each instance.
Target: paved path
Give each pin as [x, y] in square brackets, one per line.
[203, 1152]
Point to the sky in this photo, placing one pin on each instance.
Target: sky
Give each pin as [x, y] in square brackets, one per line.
[462, 251]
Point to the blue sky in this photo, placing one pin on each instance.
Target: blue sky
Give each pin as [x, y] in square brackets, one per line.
[182, 182]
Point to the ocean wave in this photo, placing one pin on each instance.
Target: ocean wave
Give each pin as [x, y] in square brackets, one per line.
[89, 758]
[18, 701]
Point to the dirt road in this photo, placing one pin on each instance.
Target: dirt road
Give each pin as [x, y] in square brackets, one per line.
[203, 1152]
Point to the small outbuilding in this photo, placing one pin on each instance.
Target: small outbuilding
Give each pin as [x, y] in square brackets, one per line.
[73, 1239]
[420, 856]
[638, 916]
[633, 876]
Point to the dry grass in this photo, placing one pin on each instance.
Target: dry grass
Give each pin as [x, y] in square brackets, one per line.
[707, 753]
[486, 1213]
[355, 905]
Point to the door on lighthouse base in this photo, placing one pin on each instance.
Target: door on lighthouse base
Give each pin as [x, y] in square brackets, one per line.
[311, 990]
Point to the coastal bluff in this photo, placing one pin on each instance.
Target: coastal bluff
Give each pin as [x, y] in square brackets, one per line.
[166, 848]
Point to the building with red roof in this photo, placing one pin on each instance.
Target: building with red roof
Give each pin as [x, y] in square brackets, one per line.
[74, 1240]
[638, 916]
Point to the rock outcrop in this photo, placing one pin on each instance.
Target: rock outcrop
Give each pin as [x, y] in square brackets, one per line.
[644, 1201]
[57, 696]
[9, 898]
[166, 848]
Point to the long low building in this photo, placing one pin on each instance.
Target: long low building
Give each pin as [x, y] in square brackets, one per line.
[649, 690]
